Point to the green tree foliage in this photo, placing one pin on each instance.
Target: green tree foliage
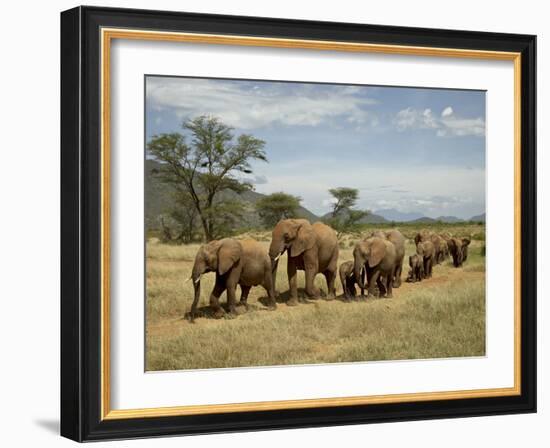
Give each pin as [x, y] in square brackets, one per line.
[344, 217]
[202, 163]
[277, 206]
[185, 216]
[344, 199]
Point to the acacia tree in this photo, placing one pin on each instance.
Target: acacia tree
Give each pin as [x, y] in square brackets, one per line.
[204, 162]
[276, 206]
[343, 216]
[344, 199]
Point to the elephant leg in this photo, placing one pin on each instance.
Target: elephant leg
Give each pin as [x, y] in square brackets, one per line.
[245, 290]
[345, 286]
[373, 279]
[398, 272]
[389, 286]
[274, 278]
[292, 282]
[381, 286]
[351, 287]
[311, 290]
[218, 290]
[231, 295]
[269, 285]
[330, 276]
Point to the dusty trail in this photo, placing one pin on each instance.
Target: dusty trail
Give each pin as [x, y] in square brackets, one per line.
[172, 326]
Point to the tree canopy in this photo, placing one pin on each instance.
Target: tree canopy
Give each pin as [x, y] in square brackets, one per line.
[343, 216]
[345, 199]
[203, 162]
[276, 206]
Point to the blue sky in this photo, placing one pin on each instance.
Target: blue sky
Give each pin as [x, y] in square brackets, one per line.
[410, 149]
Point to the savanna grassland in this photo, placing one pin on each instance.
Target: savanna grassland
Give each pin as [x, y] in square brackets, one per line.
[443, 316]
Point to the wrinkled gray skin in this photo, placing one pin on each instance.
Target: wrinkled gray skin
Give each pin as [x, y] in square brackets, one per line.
[426, 250]
[416, 263]
[440, 247]
[243, 263]
[347, 277]
[378, 257]
[458, 248]
[444, 251]
[398, 240]
[310, 248]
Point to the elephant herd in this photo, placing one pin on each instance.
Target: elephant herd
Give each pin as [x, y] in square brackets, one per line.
[313, 248]
[431, 249]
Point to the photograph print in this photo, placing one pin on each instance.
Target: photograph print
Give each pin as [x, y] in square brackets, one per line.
[295, 223]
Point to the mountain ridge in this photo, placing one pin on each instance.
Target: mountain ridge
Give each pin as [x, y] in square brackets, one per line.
[159, 200]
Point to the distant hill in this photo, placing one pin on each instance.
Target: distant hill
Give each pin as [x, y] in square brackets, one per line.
[391, 214]
[371, 218]
[424, 220]
[450, 219]
[159, 199]
[478, 217]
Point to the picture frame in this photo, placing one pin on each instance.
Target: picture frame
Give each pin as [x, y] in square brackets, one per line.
[86, 37]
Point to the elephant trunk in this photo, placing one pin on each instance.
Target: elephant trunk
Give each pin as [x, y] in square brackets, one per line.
[276, 249]
[196, 278]
[274, 264]
[357, 270]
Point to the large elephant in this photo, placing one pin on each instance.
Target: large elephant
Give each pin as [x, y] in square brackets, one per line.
[235, 263]
[427, 251]
[310, 248]
[444, 250]
[439, 247]
[378, 257]
[398, 240]
[458, 248]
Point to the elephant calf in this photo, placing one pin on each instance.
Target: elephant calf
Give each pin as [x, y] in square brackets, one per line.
[416, 263]
[347, 277]
[244, 263]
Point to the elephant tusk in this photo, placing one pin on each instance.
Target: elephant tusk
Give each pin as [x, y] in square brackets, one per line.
[277, 257]
[198, 279]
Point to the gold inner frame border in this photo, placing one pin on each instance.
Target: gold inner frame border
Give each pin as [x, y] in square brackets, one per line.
[107, 36]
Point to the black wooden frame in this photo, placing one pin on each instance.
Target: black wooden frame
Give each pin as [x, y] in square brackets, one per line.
[80, 223]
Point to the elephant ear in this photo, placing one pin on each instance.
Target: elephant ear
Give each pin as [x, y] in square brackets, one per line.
[229, 253]
[305, 239]
[377, 252]
[465, 241]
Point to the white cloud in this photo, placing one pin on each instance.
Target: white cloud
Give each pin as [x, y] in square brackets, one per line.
[249, 107]
[415, 118]
[440, 190]
[329, 201]
[446, 125]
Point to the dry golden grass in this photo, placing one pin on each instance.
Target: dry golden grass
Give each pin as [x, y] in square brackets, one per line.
[440, 317]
